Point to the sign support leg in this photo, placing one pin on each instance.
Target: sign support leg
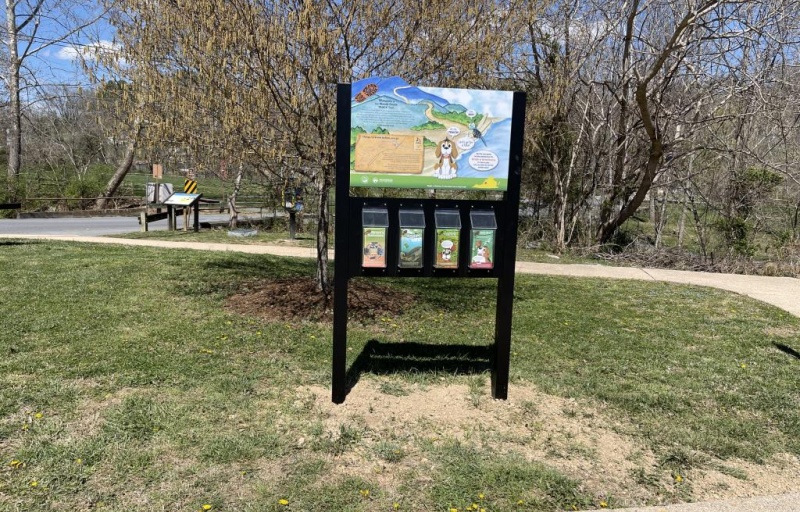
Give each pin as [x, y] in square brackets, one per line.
[501, 351]
[341, 274]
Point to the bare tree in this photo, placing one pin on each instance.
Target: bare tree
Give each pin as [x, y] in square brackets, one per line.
[32, 26]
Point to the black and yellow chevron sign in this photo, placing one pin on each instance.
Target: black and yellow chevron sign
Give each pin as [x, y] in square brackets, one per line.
[189, 186]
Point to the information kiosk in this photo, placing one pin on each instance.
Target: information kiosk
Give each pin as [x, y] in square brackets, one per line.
[391, 134]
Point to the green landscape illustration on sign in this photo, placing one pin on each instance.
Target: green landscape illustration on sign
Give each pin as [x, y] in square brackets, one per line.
[403, 136]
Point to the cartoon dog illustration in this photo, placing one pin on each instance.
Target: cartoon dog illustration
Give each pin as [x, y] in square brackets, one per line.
[481, 254]
[446, 168]
[447, 250]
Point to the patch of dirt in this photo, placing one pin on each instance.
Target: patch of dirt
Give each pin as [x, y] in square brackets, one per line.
[575, 437]
[781, 332]
[299, 299]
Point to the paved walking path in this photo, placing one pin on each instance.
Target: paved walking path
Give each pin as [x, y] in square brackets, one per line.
[783, 292]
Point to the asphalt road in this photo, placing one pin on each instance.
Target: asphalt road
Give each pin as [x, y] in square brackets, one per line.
[89, 226]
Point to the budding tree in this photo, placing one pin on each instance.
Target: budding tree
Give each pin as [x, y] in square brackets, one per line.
[255, 81]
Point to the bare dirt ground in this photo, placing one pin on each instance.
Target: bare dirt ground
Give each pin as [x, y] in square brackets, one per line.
[576, 438]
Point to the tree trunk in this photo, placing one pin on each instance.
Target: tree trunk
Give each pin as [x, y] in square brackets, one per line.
[608, 228]
[660, 217]
[14, 130]
[122, 170]
[682, 221]
[237, 185]
[322, 277]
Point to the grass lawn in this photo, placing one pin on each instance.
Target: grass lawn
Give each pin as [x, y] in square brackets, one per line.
[126, 383]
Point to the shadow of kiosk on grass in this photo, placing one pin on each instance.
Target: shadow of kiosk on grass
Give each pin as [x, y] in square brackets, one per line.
[379, 358]
[787, 350]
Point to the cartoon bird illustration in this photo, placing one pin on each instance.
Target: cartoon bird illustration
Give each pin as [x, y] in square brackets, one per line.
[476, 133]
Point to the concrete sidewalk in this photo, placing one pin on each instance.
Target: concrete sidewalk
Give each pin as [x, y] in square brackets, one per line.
[783, 292]
[783, 503]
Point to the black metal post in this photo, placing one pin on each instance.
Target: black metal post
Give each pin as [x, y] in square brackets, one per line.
[197, 215]
[501, 354]
[341, 225]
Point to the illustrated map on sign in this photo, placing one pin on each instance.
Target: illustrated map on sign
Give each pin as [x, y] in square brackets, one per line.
[404, 136]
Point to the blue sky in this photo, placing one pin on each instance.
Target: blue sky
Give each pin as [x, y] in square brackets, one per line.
[59, 63]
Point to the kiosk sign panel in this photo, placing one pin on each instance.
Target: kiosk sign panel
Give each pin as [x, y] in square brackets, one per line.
[403, 136]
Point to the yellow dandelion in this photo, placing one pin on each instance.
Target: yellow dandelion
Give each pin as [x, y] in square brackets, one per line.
[25, 427]
[743, 365]
[15, 463]
[79, 461]
[38, 415]
[395, 505]
[474, 506]
[678, 478]
[603, 504]
[283, 502]
[453, 510]
[34, 483]
[364, 493]
[481, 496]
[520, 502]
[207, 507]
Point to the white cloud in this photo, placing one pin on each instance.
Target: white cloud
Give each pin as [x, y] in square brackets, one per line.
[88, 51]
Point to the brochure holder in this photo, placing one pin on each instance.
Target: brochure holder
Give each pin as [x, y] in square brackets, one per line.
[412, 236]
[448, 238]
[374, 223]
[482, 239]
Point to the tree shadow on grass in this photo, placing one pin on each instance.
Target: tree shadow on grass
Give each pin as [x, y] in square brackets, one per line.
[787, 350]
[258, 266]
[10, 243]
[380, 358]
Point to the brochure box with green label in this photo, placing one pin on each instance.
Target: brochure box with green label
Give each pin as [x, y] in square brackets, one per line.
[374, 223]
[412, 234]
[482, 238]
[448, 231]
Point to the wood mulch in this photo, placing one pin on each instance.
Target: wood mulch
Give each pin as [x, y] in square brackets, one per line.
[298, 299]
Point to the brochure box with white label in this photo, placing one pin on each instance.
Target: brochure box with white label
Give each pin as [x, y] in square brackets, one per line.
[374, 225]
[448, 232]
[483, 228]
[412, 234]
